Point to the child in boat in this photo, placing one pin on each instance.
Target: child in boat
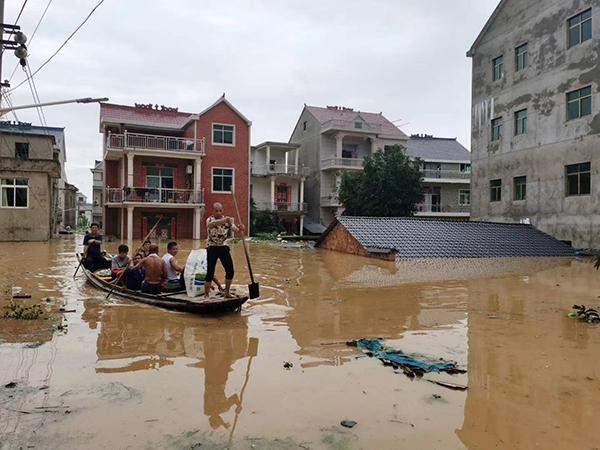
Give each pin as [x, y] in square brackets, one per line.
[120, 261]
[133, 279]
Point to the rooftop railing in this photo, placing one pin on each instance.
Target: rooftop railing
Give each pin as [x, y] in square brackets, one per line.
[342, 163]
[279, 169]
[141, 141]
[351, 125]
[154, 195]
[330, 201]
[446, 174]
[290, 207]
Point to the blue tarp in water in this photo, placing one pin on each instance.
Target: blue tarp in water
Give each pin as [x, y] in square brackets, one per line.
[415, 365]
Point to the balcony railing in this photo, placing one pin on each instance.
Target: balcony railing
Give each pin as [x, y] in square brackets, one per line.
[350, 125]
[283, 207]
[442, 208]
[279, 169]
[342, 163]
[154, 195]
[140, 141]
[330, 200]
[446, 174]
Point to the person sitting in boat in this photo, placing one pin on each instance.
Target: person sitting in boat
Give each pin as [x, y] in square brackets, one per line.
[132, 279]
[93, 259]
[155, 277]
[145, 250]
[120, 261]
[175, 280]
[219, 228]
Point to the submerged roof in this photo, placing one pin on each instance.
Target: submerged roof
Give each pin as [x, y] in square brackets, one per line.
[324, 115]
[426, 238]
[437, 149]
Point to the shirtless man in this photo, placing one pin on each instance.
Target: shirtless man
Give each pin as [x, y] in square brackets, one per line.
[156, 271]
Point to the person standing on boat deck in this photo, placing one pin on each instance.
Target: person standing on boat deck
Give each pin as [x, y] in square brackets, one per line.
[93, 258]
[174, 270]
[219, 229]
[156, 272]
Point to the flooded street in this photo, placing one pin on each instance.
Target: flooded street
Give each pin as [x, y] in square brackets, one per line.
[124, 375]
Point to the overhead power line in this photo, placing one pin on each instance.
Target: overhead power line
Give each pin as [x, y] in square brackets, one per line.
[59, 48]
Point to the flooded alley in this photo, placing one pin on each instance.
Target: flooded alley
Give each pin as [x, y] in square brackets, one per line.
[116, 374]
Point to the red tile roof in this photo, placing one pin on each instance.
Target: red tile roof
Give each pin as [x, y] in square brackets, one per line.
[131, 115]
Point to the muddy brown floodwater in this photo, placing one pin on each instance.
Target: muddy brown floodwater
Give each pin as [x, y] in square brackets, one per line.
[123, 375]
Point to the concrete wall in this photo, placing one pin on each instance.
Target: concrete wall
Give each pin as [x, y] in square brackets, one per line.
[551, 141]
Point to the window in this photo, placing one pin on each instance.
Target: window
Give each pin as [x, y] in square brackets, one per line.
[579, 103]
[521, 57]
[222, 180]
[223, 134]
[14, 193]
[580, 28]
[465, 168]
[520, 188]
[495, 190]
[578, 177]
[496, 129]
[464, 197]
[97, 176]
[358, 125]
[521, 122]
[304, 125]
[22, 151]
[498, 68]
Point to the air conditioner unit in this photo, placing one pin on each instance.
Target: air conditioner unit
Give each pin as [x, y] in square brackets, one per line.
[189, 169]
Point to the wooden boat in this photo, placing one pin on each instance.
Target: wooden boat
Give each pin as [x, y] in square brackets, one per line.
[177, 301]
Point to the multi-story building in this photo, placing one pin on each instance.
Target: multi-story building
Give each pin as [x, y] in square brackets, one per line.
[333, 139]
[277, 183]
[536, 118]
[29, 172]
[162, 164]
[446, 183]
[84, 209]
[98, 192]
[70, 209]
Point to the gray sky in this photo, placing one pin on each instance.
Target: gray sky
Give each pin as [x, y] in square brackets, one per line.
[405, 58]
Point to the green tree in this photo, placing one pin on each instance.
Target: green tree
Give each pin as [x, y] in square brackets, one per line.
[82, 223]
[389, 185]
[263, 221]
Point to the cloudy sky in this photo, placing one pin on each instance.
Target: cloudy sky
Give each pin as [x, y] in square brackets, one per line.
[405, 58]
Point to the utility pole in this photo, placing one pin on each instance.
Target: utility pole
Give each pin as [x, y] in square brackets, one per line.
[1, 38]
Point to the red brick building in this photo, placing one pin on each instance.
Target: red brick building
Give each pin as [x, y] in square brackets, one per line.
[162, 162]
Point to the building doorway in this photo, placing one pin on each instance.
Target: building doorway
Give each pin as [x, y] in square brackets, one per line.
[166, 230]
[160, 182]
[283, 196]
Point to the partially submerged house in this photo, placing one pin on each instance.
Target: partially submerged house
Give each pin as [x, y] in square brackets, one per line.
[394, 238]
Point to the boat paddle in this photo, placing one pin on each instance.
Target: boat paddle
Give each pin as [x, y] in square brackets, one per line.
[83, 256]
[253, 288]
[137, 251]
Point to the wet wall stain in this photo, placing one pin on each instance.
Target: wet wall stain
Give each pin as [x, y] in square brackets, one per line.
[543, 102]
[595, 125]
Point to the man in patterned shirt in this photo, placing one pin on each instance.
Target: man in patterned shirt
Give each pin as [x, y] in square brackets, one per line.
[219, 229]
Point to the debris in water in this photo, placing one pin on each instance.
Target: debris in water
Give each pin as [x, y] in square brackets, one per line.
[10, 385]
[437, 396]
[21, 296]
[453, 386]
[589, 315]
[287, 365]
[14, 311]
[348, 423]
[412, 366]
[63, 310]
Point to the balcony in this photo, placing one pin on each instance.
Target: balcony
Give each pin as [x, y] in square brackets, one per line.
[350, 125]
[283, 207]
[263, 170]
[154, 143]
[436, 209]
[154, 196]
[452, 176]
[342, 164]
[331, 200]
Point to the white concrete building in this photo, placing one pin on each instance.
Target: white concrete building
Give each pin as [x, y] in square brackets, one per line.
[277, 183]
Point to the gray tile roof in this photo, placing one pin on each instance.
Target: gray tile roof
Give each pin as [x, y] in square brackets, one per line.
[387, 128]
[423, 238]
[437, 149]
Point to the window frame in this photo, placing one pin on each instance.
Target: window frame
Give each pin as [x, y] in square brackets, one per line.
[465, 168]
[26, 147]
[497, 122]
[460, 192]
[579, 25]
[212, 180]
[579, 101]
[521, 58]
[520, 188]
[578, 174]
[521, 120]
[14, 187]
[222, 144]
[498, 68]
[498, 189]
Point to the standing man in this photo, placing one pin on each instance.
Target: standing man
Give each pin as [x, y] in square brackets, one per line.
[93, 258]
[174, 270]
[219, 229]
